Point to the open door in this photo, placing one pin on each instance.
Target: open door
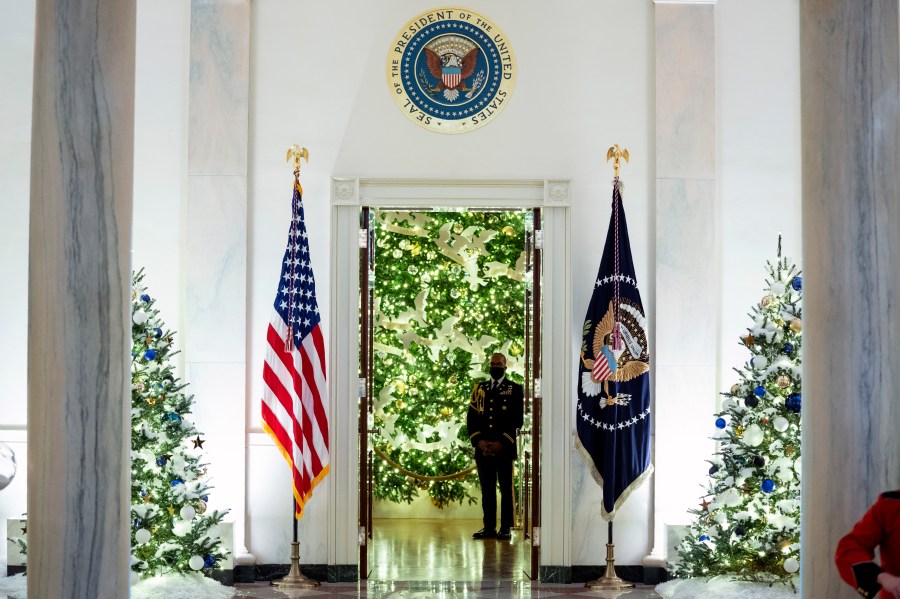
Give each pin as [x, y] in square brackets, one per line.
[366, 416]
[531, 437]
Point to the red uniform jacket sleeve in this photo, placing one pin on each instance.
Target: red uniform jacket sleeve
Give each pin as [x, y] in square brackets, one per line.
[856, 551]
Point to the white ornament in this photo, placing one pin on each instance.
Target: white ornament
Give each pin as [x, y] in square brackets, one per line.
[188, 513]
[196, 562]
[791, 565]
[142, 535]
[727, 404]
[753, 435]
[780, 424]
[139, 317]
[777, 288]
[760, 362]
[785, 475]
[213, 532]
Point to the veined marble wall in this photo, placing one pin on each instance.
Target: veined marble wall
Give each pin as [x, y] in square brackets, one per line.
[215, 336]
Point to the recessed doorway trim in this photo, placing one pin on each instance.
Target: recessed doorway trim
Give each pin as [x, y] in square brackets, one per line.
[347, 196]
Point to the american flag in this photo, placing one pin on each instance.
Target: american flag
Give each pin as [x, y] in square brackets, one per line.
[295, 394]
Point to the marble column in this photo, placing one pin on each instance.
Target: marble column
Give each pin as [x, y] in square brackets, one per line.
[850, 88]
[79, 299]
[684, 369]
[215, 340]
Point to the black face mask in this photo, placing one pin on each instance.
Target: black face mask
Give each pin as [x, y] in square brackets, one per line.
[497, 372]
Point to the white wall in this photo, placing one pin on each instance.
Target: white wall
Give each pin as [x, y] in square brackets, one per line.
[759, 156]
[585, 81]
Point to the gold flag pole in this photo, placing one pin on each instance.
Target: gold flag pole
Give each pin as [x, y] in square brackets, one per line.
[609, 581]
[294, 578]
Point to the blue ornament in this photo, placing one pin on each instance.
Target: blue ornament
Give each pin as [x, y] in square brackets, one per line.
[177, 482]
[788, 348]
[172, 417]
[161, 460]
[793, 403]
[157, 332]
[150, 354]
[205, 498]
[768, 485]
[720, 423]
[143, 493]
[209, 562]
[797, 283]
[137, 522]
[145, 297]
[759, 391]
[703, 538]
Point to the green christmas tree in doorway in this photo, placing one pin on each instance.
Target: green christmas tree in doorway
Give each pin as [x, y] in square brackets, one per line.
[172, 531]
[449, 291]
[748, 524]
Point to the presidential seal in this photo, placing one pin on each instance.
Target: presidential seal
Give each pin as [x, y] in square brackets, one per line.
[451, 70]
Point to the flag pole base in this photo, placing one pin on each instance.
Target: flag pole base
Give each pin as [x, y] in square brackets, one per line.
[295, 579]
[609, 581]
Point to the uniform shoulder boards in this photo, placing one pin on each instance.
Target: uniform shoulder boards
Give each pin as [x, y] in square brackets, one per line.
[891, 495]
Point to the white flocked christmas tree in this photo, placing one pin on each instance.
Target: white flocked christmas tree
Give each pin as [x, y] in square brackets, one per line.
[747, 526]
[172, 531]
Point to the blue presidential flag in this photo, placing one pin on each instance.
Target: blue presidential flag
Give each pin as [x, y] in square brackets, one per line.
[614, 373]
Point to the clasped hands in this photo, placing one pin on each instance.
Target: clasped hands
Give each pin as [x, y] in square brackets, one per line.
[490, 448]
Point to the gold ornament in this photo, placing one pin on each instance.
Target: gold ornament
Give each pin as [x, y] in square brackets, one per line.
[749, 340]
[457, 228]
[507, 230]
[739, 430]
[155, 529]
[783, 381]
[400, 386]
[171, 509]
[148, 498]
[446, 413]
[766, 300]
[415, 249]
[133, 293]
[400, 404]
[201, 506]
[735, 388]
[150, 400]
[452, 380]
[515, 350]
[796, 325]
[789, 450]
[764, 420]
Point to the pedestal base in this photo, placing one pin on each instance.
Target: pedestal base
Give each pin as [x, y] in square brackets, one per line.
[295, 579]
[609, 581]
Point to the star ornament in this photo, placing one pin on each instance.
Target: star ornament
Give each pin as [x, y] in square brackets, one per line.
[198, 442]
[704, 504]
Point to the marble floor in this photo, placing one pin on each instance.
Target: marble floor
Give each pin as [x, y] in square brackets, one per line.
[441, 590]
[438, 559]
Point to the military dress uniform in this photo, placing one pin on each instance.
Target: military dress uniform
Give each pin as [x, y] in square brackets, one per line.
[495, 414]
[880, 527]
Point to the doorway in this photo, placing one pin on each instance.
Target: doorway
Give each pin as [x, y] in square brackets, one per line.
[440, 291]
[353, 424]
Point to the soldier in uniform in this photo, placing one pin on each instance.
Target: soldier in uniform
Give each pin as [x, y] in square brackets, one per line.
[855, 555]
[495, 415]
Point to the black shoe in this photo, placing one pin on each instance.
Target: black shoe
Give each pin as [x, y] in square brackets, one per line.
[484, 534]
[504, 534]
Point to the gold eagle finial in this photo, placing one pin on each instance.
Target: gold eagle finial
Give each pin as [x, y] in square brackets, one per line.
[295, 153]
[615, 153]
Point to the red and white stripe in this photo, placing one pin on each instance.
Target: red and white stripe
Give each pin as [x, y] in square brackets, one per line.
[295, 405]
[601, 370]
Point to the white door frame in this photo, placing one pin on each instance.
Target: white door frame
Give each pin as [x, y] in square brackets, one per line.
[553, 197]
